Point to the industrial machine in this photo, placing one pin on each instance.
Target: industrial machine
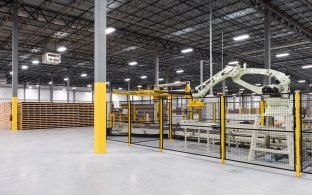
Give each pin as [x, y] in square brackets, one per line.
[278, 107]
[235, 72]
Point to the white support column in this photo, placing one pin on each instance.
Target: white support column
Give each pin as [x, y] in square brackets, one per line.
[267, 43]
[157, 70]
[68, 89]
[201, 64]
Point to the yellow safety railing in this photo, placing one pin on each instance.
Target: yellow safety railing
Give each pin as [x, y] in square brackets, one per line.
[223, 112]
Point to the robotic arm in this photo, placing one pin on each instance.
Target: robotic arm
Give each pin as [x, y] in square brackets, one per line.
[236, 72]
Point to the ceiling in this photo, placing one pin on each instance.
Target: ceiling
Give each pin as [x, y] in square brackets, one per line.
[149, 28]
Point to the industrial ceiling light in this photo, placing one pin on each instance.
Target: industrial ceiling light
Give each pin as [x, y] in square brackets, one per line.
[37, 85]
[233, 94]
[35, 62]
[127, 80]
[242, 89]
[24, 67]
[187, 50]
[233, 62]
[282, 55]
[301, 81]
[89, 86]
[160, 79]
[179, 71]
[65, 79]
[30, 87]
[133, 63]
[61, 49]
[143, 77]
[120, 88]
[64, 89]
[74, 88]
[11, 73]
[139, 86]
[241, 37]
[83, 75]
[306, 66]
[177, 82]
[110, 30]
[258, 84]
[50, 83]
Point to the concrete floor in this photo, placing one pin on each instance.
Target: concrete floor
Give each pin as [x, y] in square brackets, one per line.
[61, 161]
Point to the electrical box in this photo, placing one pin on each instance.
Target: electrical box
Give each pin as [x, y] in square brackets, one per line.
[51, 58]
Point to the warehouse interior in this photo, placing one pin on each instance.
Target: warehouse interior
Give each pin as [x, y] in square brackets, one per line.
[155, 97]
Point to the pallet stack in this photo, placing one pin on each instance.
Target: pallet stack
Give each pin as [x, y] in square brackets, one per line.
[43, 115]
[5, 115]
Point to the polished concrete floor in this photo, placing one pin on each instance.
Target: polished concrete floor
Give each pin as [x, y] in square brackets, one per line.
[61, 162]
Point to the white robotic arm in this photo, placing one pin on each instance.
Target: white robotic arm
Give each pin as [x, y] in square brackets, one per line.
[236, 72]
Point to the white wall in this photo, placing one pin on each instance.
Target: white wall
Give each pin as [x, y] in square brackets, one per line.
[58, 95]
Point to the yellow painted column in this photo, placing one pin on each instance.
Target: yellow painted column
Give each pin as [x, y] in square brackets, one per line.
[100, 118]
[129, 123]
[161, 144]
[14, 113]
[298, 133]
[222, 129]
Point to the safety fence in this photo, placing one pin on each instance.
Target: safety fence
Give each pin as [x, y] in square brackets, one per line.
[306, 132]
[265, 130]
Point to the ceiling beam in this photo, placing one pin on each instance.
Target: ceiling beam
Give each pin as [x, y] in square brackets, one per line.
[282, 16]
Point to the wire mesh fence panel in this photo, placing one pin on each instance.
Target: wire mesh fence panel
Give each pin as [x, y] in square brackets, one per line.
[306, 132]
[195, 126]
[117, 121]
[264, 136]
[145, 123]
